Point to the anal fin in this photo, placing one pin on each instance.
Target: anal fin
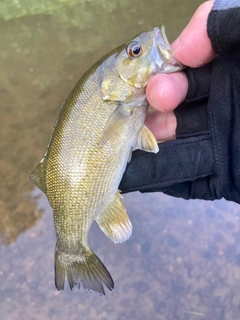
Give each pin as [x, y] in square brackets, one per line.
[114, 221]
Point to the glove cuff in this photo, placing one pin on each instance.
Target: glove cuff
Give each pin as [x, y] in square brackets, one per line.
[223, 31]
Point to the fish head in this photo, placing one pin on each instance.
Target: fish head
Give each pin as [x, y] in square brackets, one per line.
[144, 56]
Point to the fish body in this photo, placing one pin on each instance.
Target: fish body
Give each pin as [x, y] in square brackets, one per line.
[99, 125]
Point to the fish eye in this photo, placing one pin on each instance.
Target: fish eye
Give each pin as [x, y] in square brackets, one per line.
[133, 49]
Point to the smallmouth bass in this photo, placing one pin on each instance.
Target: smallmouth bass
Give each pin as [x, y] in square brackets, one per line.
[99, 125]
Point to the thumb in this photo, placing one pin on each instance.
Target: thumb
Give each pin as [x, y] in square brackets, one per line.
[193, 47]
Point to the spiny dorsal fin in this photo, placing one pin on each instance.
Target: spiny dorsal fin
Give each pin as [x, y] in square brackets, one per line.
[38, 176]
[146, 141]
[114, 221]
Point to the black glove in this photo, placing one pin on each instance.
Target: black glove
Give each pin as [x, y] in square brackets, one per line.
[204, 161]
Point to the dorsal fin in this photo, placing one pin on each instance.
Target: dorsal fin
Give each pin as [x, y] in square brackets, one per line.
[38, 176]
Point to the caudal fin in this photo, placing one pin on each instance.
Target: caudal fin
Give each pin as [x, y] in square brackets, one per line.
[88, 271]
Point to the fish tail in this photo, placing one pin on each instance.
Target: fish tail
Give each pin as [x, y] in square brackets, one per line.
[87, 270]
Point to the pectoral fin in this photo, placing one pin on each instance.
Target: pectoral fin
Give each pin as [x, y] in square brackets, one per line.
[38, 177]
[114, 221]
[115, 124]
[146, 141]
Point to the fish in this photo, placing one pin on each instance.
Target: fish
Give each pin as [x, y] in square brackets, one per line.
[98, 127]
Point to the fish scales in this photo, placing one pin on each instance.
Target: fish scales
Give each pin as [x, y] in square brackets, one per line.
[99, 125]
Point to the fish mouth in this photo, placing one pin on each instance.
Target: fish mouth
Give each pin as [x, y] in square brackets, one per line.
[166, 61]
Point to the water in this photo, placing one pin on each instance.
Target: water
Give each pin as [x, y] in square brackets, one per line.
[183, 260]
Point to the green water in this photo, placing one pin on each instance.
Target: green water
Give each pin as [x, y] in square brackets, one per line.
[183, 260]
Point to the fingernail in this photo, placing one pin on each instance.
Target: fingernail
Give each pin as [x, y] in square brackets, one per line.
[175, 44]
[154, 97]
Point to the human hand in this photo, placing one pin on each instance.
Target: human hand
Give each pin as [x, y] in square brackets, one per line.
[166, 91]
[203, 162]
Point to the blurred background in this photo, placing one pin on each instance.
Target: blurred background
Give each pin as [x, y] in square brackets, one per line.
[183, 259]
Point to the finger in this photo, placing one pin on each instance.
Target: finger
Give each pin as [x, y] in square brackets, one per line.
[193, 47]
[166, 91]
[162, 125]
